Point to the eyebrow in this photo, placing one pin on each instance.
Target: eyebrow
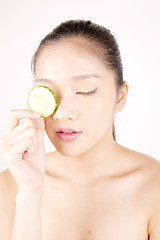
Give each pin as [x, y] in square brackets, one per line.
[77, 77]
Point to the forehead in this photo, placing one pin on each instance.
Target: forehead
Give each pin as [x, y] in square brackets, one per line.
[66, 53]
[68, 59]
[66, 62]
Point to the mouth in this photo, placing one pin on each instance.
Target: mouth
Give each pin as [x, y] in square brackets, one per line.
[68, 136]
[67, 130]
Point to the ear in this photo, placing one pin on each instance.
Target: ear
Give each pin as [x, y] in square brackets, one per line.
[122, 97]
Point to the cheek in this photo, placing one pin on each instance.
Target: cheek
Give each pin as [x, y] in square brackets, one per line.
[99, 111]
[98, 105]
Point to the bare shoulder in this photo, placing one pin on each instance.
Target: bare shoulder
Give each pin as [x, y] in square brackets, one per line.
[145, 169]
[149, 171]
[153, 189]
[8, 191]
[154, 199]
[140, 159]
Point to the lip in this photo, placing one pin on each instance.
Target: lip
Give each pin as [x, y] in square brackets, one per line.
[68, 136]
[66, 130]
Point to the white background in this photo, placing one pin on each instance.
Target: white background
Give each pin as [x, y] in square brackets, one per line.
[136, 26]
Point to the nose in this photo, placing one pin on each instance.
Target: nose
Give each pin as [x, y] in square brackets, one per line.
[65, 110]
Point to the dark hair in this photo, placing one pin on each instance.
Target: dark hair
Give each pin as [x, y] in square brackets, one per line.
[97, 39]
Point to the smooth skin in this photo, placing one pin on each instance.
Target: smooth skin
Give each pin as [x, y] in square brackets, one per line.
[89, 188]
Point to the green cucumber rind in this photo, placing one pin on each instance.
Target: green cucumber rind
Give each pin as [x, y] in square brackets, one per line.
[55, 98]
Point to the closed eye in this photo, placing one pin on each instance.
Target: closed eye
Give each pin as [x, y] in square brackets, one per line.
[88, 93]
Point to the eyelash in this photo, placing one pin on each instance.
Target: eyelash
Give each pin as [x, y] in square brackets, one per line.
[89, 93]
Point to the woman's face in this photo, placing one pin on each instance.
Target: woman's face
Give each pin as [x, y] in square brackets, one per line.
[93, 115]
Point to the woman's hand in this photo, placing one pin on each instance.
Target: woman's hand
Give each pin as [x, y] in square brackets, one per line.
[23, 149]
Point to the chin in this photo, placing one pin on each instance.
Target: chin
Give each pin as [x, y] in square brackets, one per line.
[77, 150]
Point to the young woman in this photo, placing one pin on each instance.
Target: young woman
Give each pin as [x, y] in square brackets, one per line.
[91, 187]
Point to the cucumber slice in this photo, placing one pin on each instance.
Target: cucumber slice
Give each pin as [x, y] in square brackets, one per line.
[42, 99]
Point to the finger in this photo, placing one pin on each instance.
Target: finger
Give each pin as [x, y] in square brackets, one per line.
[30, 132]
[15, 152]
[16, 115]
[23, 127]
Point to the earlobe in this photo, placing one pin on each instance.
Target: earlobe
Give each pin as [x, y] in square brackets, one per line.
[122, 97]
